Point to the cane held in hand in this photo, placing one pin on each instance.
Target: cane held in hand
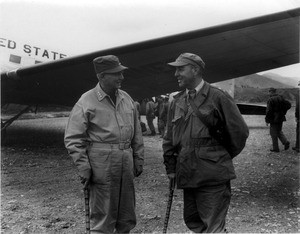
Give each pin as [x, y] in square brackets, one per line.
[87, 207]
[171, 192]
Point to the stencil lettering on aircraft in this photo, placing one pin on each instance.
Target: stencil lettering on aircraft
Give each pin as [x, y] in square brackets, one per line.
[31, 50]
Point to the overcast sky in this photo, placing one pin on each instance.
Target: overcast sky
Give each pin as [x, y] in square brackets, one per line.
[74, 27]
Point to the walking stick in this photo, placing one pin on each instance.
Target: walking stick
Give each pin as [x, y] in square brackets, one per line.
[171, 192]
[87, 208]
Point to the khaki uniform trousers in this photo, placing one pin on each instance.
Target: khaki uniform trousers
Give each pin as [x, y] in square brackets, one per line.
[112, 194]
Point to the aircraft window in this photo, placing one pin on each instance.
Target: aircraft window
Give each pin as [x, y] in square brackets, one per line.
[14, 58]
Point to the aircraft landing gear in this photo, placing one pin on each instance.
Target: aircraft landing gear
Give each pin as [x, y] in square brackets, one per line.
[5, 124]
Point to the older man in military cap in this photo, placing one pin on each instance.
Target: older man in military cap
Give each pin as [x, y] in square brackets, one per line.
[103, 136]
[194, 154]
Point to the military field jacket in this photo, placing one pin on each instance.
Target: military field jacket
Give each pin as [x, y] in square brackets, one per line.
[95, 119]
[190, 150]
[274, 112]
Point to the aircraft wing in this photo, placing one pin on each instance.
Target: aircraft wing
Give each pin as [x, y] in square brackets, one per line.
[252, 109]
[229, 51]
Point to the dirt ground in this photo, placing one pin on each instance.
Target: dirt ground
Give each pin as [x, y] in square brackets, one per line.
[41, 193]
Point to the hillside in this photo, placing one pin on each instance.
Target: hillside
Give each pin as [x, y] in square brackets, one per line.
[292, 81]
[254, 88]
[260, 82]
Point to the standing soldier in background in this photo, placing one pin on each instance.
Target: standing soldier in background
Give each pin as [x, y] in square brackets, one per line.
[296, 148]
[201, 164]
[275, 116]
[158, 111]
[150, 116]
[162, 115]
[104, 138]
[138, 109]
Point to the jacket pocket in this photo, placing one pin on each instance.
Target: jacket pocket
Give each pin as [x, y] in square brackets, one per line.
[211, 153]
[199, 166]
[215, 163]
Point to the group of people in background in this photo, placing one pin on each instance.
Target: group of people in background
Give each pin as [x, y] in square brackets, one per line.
[153, 109]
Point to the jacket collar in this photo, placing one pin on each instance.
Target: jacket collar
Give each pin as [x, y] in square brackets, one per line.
[198, 88]
[199, 99]
[101, 94]
[202, 94]
[181, 99]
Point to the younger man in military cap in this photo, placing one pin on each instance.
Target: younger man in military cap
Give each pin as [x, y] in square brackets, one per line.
[104, 138]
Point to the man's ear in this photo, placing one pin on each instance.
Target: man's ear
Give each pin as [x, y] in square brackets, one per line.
[100, 75]
[195, 70]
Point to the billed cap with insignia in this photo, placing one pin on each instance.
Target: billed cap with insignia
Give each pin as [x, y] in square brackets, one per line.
[188, 58]
[108, 64]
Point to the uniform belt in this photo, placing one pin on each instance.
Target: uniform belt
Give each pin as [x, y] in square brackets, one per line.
[120, 146]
